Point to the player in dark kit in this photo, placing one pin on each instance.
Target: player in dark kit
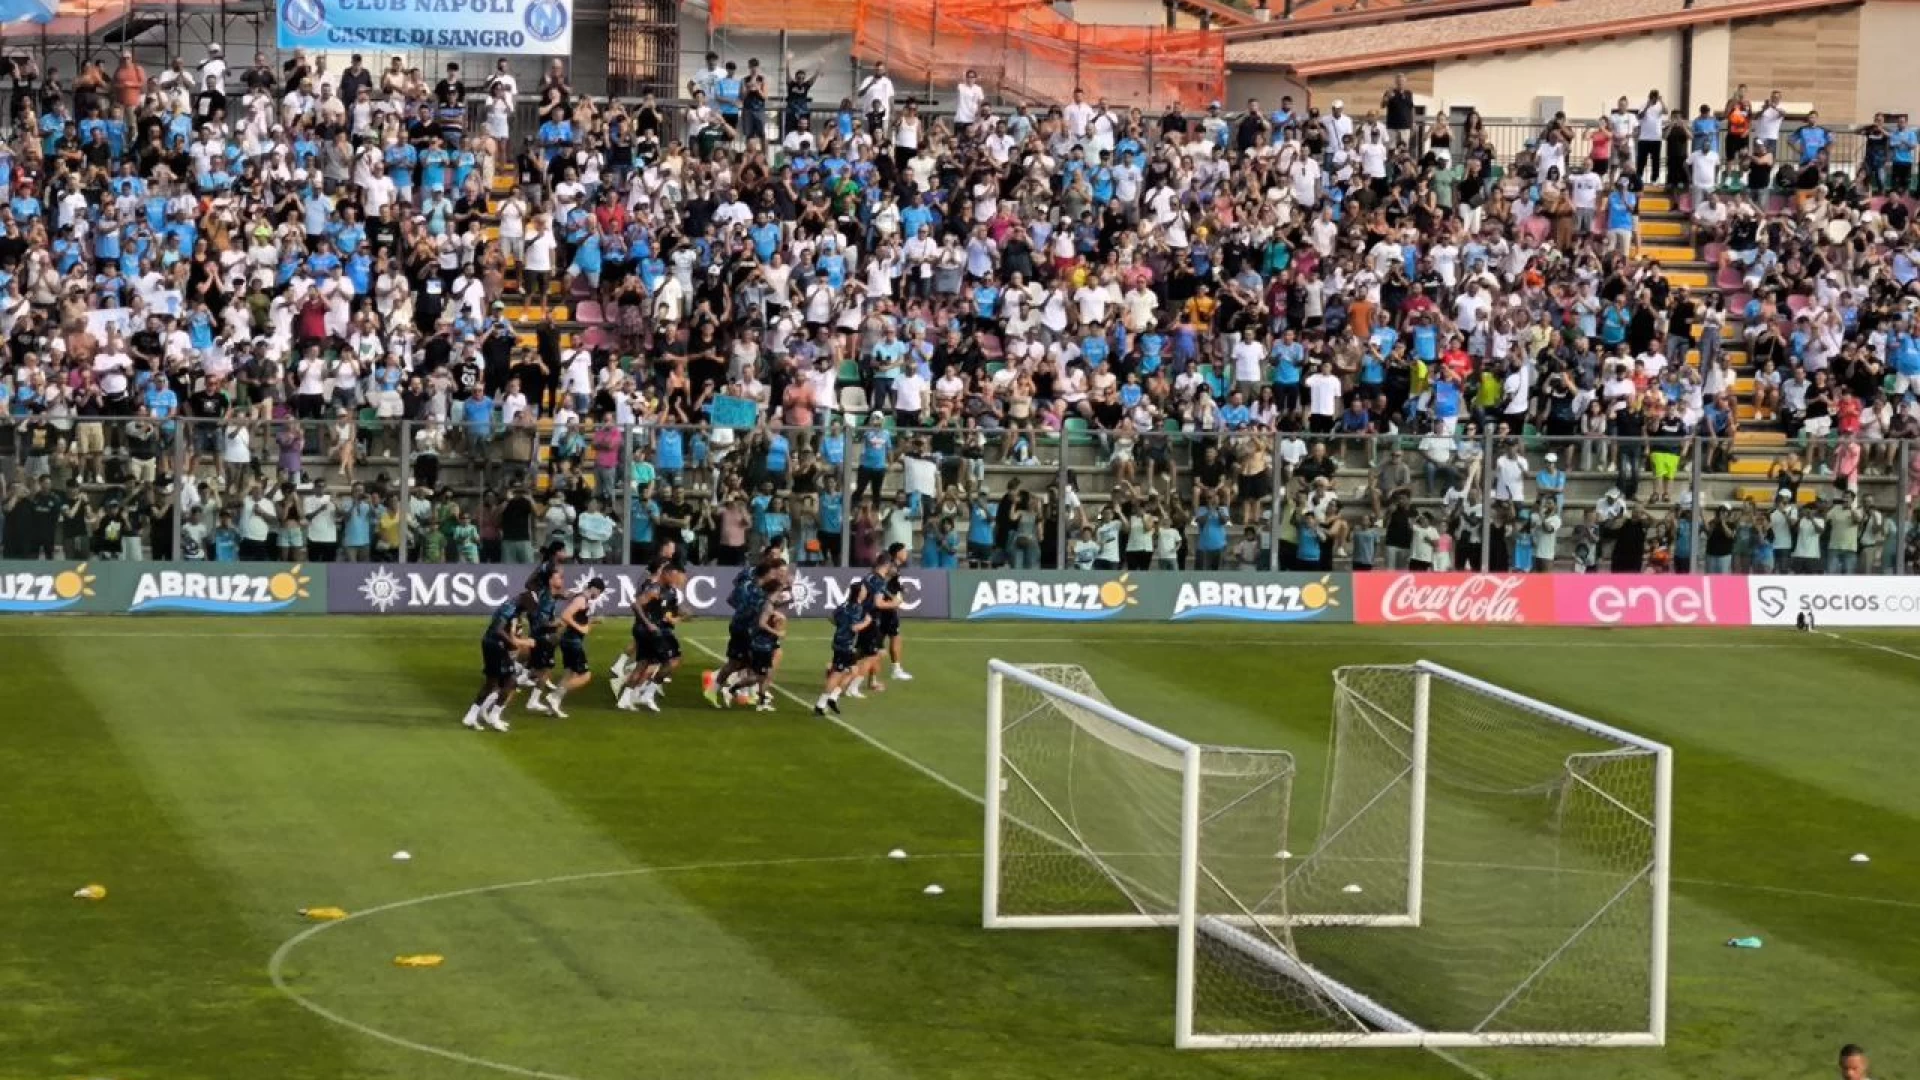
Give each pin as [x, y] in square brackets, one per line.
[889, 616]
[576, 621]
[748, 599]
[880, 602]
[497, 649]
[849, 620]
[763, 646]
[656, 646]
[543, 629]
[624, 663]
[541, 583]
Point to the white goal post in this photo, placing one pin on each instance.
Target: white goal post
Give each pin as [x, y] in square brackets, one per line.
[1486, 869]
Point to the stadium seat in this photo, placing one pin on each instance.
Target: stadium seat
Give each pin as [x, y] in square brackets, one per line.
[853, 402]
[590, 312]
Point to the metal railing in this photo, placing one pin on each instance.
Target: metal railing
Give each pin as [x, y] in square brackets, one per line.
[357, 488]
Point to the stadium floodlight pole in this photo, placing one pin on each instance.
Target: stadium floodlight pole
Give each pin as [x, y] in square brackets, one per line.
[1060, 509]
[1696, 550]
[1903, 508]
[847, 439]
[1276, 492]
[1276, 506]
[625, 529]
[1486, 498]
[406, 488]
[182, 431]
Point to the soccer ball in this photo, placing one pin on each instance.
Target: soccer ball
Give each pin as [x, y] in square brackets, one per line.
[743, 697]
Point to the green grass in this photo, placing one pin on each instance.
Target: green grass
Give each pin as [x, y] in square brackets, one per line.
[742, 920]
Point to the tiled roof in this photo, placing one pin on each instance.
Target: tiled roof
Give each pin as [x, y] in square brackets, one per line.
[1389, 44]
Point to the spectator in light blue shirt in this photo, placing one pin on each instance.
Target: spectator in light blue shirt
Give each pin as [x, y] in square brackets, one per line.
[1812, 138]
[476, 415]
[1210, 545]
[1706, 130]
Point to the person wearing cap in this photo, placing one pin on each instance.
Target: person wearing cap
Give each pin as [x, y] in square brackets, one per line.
[1551, 482]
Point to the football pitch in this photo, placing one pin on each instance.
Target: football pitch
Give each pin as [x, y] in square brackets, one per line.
[705, 894]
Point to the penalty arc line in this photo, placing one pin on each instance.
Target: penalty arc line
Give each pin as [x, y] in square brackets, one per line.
[276, 965]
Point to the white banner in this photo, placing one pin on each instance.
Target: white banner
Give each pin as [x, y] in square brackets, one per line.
[520, 27]
[1835, 601]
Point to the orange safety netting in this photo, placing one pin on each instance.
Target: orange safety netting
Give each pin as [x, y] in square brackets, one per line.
[1026, 51]
[1022, 49]
[809, 17]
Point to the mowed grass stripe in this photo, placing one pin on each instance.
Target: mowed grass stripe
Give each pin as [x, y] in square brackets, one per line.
[296, 772]
[1264, 697]
[919, 977]
[162, 978]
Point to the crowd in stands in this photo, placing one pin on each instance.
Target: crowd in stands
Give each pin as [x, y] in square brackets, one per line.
[352, 314]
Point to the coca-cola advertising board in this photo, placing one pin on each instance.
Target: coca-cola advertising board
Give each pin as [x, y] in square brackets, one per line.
[1453, 599]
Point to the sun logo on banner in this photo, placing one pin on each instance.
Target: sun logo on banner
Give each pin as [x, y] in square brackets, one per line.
[288, 585]
[73, 584]
[1120, 592]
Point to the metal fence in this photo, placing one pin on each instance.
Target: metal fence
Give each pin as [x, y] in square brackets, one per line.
[355, 487]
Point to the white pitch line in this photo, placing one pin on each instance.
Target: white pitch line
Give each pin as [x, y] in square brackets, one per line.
[1316, 641]
[937, 776]
[1859, 644]
[916, 765]
[278, 961]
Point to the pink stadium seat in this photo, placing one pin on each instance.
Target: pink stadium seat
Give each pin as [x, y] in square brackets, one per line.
[1729, 277]
[1712, 252]
[597, 338]
[590, 312]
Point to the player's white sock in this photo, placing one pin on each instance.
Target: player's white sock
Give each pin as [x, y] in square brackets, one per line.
[853, 689]
[821, 701]
[625, 699]
[834, 694]
[473, 717]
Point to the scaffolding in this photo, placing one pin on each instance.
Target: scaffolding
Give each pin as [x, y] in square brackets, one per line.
[155, 31]
[1023, 50]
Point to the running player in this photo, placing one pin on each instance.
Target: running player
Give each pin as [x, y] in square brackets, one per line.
[764, 644]
[749, 596]
[873, 641]
[849, 620]
[624, 663]
[497, 649]
[890, 616]
[540, 583]
[576, 621]
[542, 628]
[656, 647]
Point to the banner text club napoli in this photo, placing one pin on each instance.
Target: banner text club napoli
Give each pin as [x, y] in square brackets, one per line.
[500, 27]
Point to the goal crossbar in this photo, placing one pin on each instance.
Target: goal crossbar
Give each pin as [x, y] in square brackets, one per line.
[1098, 807]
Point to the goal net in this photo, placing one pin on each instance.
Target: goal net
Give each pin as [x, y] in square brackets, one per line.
[1486, 870]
